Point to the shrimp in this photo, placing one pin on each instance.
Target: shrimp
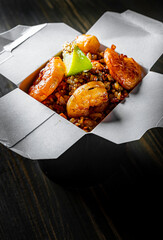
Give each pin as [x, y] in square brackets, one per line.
[124, 70]
[91, 94]
[87, 43]
[48, 79]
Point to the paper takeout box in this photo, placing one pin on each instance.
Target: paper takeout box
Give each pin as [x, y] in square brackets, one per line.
[35, 131]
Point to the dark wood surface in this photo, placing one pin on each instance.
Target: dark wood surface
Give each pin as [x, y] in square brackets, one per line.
[128, 204]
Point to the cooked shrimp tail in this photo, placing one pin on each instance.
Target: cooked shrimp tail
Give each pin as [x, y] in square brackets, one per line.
[91, 94]
[48, 79]
[123, 69]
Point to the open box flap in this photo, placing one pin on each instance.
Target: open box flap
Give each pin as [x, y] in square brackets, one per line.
[135, 35]
[138, 113]
[19, 115]
[11, 35]
[14, 33]
[14, 37]
[50, 139]
[36, 50]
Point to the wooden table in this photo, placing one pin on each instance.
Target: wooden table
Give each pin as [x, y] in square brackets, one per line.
[128, 204]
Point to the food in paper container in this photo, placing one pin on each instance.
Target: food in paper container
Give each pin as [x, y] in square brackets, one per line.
[88, 83]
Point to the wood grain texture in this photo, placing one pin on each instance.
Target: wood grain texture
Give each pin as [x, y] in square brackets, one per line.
[128, 204]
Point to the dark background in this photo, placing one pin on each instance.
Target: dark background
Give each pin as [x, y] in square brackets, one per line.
[121, 195]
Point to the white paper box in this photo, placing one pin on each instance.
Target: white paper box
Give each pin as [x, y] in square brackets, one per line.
[34, 131]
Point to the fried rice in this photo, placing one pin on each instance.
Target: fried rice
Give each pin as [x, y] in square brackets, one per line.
[57, 101]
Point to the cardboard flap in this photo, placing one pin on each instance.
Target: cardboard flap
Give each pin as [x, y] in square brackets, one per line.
[50, 139]
[13, 38]
[160, 123]
[141, 111]
[135, 35]
[11, 35]
[19, 115]
[14, 33]
[147, 23]
[36, 50]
